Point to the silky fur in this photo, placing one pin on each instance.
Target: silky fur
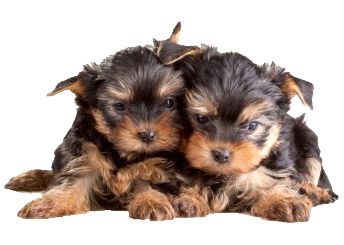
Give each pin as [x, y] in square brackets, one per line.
[128, 93]
[269, 166]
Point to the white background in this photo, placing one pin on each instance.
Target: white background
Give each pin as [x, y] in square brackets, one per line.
[42, 43]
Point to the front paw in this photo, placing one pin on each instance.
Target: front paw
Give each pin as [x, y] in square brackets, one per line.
[318, 195]
[289, 210]
[39, 209]
[43, 208]
[188, 206]
[151, 205]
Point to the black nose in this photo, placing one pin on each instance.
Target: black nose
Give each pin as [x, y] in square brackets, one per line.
[221, 156]
[147, 136]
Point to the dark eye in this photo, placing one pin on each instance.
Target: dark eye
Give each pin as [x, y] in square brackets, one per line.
[251, 126]
[119, 106]
[201, 119]
[170, 102]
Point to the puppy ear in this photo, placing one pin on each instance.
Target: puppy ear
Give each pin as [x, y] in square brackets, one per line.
[289, 84]
[73, 84]
[295, 86]
[76, 84]
[174, 38]
[170, 53]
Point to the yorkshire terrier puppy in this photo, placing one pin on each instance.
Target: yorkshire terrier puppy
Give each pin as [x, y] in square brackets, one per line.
[245, 153]
[129, 114]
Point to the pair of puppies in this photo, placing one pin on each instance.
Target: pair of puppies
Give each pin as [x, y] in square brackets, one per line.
[242, 151]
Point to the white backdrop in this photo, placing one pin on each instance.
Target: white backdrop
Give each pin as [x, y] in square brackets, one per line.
[42, 43]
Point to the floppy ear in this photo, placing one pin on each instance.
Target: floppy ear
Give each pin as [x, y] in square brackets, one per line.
[73, 84]
[169, 51]
[289, 84]
[295, 86]
[76, 84]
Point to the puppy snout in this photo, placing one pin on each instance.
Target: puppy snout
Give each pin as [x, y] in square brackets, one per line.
[147, 136]
[220, 155]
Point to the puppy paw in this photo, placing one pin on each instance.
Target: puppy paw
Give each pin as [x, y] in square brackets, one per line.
[30, 181]
[318, 195]
[39, 209]
[151, 205]
[44, 208]
[289, 210]
[189, 206]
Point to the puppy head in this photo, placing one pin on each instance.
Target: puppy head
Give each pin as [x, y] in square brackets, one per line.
[134, 101]
[236, 109]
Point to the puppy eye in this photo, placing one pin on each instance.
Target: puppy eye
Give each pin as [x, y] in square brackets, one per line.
[170, 102]
[119, 106]
[201, 119]
[252, 126]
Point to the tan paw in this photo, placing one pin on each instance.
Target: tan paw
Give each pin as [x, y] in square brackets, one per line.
[188, 206]
[153, 206]
[44, 208]
[289, 210]
[30, 181]
[318, 195]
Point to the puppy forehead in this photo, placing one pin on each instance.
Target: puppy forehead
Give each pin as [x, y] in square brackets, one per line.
[139, 76]
[227, 82]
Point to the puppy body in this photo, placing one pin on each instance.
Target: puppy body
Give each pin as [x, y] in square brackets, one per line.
[245, 152]
[128, 115]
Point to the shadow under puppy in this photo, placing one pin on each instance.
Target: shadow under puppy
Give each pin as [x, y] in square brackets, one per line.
[129, 113]
[245, 153]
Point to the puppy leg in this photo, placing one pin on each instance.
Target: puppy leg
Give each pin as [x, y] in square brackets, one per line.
[31, 181]
[191, 203]
[66, 199]
[152, 170]
[150, 204]
[317, 195]
[282, 206]
[74, 186]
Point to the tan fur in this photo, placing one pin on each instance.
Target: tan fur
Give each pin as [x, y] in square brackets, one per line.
[201, 103]
[192, 202]
[291, 89]
[73, 196]
[189, 52]
[170, 84]
[245, 156]
[123, 94]
[316, 194]
[151, 204]
[314, 170]
[281, 206]
[60, 201]
[271, 142]
[77, 88]
[252, 111]
[151, 169]
[250, 187]
[126, 139]
[31, 181]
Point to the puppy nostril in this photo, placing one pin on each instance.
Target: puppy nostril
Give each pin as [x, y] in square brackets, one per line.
[220, 156]
[147, 136]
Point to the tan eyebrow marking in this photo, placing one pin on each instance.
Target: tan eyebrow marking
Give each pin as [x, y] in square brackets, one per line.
[122, 94]
[201, 103]
[253, 111]
[172, 83]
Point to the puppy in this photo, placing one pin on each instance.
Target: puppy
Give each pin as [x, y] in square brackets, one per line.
[245, 153]
[128, 115]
